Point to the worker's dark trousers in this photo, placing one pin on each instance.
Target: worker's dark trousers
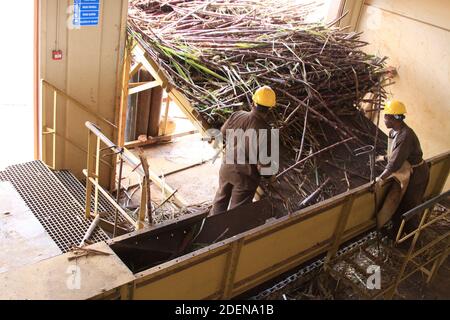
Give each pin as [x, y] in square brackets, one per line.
[412, 198]
[238, 196]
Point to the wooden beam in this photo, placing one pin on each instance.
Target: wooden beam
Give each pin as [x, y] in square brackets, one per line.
[123, 42]
[155, 140]
[143, 87]
[135, 69]
[155, 112]
[136, 84]
[166, 115]
[180, 99]
[150, 66]
[124, 98]
[146, 198]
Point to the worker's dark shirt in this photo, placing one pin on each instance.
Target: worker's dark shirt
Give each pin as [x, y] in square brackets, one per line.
[406, 146]
[245, 175]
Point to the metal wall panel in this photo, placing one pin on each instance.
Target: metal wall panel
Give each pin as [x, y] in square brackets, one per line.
[415, 35]
[89, 72]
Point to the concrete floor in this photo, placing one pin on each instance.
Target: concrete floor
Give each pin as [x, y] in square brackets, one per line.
[23, 240]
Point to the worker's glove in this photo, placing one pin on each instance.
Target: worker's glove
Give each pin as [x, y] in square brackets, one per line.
[380, 158]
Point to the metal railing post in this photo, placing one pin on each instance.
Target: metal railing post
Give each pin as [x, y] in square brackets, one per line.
[44, 131]
[97, 175]
[409, 254]
[90, 166]
[55, 105]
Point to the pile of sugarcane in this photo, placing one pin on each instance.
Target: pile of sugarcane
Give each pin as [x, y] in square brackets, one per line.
[218, 52]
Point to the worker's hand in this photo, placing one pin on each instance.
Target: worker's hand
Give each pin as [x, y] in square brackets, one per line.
[270, 179]
[380, 159]
[379, 181]
[208, 139]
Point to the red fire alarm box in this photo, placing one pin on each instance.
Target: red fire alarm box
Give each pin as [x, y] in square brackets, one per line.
[57, 55]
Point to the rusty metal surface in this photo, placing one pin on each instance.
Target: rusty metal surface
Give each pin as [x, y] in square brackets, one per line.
[147, 249]
[55, 208]
[141, 250]
[225, 225]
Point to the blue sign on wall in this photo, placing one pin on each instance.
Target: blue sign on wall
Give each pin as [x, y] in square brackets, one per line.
[86, 12]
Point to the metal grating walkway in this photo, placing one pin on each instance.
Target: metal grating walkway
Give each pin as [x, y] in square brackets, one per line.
[52, 204]
[78, 190]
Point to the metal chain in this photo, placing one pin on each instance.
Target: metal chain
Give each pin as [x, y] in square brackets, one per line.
[310, 268]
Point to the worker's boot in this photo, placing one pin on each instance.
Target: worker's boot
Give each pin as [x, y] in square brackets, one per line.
[387, 231]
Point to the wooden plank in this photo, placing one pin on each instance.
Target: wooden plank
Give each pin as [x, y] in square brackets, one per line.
[135, 68]
[166, 115]
[155, 140]
[173, 93]
[155, 112]
[144, 102]
[143, 87]
[119, 71]
[124, 98]
[137, 84]
[150, 66]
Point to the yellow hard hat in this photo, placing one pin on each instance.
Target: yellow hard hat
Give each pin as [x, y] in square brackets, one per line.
[265, 96]
[394, 107]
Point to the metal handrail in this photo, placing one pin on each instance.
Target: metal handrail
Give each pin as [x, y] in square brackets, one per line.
[427, 204]
[92, 176]
[53, 131]
[115, 148]
[78, 103]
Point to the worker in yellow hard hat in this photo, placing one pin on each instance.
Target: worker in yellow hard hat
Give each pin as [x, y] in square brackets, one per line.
[239, 180]
[404, 153]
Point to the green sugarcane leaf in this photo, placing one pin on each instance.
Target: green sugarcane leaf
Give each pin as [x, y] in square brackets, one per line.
[206, 70]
